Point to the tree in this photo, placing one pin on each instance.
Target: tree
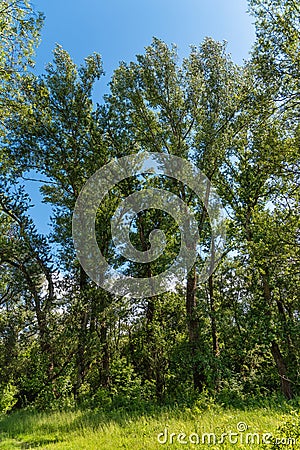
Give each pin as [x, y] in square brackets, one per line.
[59, 137]
[187, 110]
[25, 256]
[241, 326]
[19, 35]
[256, 187]
[277, 48]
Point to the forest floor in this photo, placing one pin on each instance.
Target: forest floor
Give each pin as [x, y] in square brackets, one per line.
[214, 427]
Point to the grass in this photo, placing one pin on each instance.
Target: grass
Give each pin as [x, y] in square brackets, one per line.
[118, 429]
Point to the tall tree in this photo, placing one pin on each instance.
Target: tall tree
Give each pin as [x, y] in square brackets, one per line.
[187, 110]
[57, 134]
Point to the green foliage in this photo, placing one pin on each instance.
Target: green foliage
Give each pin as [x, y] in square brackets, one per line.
[277, 49]
[124, 382]
[20, 29]
[8, 398]
[288, 433]
[232, 340]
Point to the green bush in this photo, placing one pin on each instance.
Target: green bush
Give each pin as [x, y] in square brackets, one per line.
[8, 398]
[124, 381]
[55, 397]
[288, 434]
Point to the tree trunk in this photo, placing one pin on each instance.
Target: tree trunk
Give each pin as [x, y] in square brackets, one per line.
[282, 370]
[154, 368]
[105, 360]
[214, 334]
[82, 335]
[194, 330]
[215, 340]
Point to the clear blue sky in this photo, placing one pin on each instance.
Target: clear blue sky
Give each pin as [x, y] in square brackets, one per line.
[120, 29]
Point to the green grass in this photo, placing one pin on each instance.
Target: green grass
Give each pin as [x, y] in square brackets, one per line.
[98, 430]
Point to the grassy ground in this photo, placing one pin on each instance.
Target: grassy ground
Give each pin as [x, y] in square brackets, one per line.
[88, 430]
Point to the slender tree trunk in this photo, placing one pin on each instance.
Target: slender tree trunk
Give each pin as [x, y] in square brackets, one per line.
[105, 360]
[154, 368]
[82, 335]
[193, 322]
[194, 330]
[216, 348]
[214, 334]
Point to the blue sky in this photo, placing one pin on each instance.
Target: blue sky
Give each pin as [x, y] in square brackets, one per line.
[119, 30]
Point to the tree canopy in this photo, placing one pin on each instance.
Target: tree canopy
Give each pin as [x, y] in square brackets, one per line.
[64, 340]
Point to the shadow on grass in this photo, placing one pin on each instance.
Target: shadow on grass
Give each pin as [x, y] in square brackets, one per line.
[10, 444]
